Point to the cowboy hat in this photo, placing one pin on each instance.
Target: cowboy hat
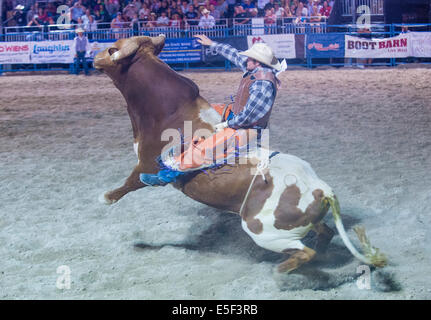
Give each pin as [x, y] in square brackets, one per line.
[205, 11]
[263, 53]
[79, 30]
[19, 7]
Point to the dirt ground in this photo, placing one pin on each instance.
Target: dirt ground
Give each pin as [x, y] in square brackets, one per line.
[66, 139]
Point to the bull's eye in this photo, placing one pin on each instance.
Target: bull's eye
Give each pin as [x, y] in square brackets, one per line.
[112, 50]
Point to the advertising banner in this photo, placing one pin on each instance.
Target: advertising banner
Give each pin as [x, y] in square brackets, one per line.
[325, 45]
[420, 44]
[394, 47]
[52, 51]
[283, 45]
[210, 56]
[15, 52]
[96, 47]
[181, 50]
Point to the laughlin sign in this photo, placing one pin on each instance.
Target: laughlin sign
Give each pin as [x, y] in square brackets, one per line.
[396, 47]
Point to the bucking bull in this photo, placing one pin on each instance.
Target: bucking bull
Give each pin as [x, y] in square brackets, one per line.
[277, 210]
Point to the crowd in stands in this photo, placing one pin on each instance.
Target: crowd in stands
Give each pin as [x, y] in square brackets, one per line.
[115, 14]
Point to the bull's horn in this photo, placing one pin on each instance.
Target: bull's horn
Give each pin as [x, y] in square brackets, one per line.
[131, 46]
[157, 41]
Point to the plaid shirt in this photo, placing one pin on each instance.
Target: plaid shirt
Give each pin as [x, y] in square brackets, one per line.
[262, 93]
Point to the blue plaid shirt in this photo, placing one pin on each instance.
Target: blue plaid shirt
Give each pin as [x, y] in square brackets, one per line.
[262, 93]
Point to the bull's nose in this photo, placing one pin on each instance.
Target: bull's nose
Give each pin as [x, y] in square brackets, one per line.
[96, 64]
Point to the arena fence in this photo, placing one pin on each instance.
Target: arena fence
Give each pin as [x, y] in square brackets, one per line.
[310, 33]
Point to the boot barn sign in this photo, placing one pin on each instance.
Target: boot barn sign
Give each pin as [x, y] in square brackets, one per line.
[414, 44]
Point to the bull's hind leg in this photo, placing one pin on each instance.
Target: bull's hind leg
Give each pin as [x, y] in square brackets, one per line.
[324, 237]
[297, 258]
[132, 183]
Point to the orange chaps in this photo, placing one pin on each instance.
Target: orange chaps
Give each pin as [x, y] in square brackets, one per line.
[221, 147]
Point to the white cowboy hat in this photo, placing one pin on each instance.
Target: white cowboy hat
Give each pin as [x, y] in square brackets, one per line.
[19, 7]
[205, 11]
[263, 53]
[79, 30]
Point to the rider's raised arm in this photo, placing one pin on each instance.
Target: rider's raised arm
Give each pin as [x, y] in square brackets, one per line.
[231, 54]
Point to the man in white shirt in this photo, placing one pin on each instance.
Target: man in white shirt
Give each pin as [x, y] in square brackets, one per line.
[207, 20]
[163, 20]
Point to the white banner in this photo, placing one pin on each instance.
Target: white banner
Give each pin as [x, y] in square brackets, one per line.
[395, 47]
[283, 45]
[52, 51]
[420, 44]
[15, 52]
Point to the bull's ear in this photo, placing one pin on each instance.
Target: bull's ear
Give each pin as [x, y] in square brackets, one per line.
[129, 48]
[159, 43]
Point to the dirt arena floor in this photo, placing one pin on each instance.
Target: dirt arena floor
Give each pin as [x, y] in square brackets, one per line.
[66, 139]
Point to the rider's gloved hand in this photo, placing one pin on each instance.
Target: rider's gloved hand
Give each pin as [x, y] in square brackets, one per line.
[220, 126]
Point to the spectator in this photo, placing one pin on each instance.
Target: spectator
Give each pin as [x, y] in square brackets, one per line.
[42, 17]
[117, 25]
[206, 21]
[138, 4]
[240, 16]
[278, 10]
[184, 6]
[222, 8]
[152, 23]
[112, 6]
[129, 11]
[51, 10]
[191, 16]
[91, 26]
[86, 19]
[174, 7]
[30, 14]
[253, 12]
[214, 13]
[309, 6]
[196, 5]
[19, 17]
[247, 5]
[300, 13]
[315, 16]
[270, 19]
[287, 11]
[176, 22]
[325, 10]
[144, 11]
[163, 7]
[163, 20]
[82, 45]
[135, 24]
[80, 23]
[34, 22]
[98, 18]
[261, 5]
[77, 11]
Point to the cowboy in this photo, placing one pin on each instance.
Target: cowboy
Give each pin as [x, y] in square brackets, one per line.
[254, 99]
[81, 46]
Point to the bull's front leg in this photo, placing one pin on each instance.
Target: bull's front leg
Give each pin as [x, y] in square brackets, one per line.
[132, 183]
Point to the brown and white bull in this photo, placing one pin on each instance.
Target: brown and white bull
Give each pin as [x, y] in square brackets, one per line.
[276, 212]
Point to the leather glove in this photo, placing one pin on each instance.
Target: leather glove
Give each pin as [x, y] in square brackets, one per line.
[220, 126]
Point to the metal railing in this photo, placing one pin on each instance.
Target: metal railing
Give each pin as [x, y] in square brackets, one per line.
[222, 28]
[349, 6]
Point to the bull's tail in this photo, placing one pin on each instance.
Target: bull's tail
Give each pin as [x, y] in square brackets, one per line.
[371, 256]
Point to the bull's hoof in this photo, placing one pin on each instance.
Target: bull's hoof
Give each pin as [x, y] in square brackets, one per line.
[104, 198]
